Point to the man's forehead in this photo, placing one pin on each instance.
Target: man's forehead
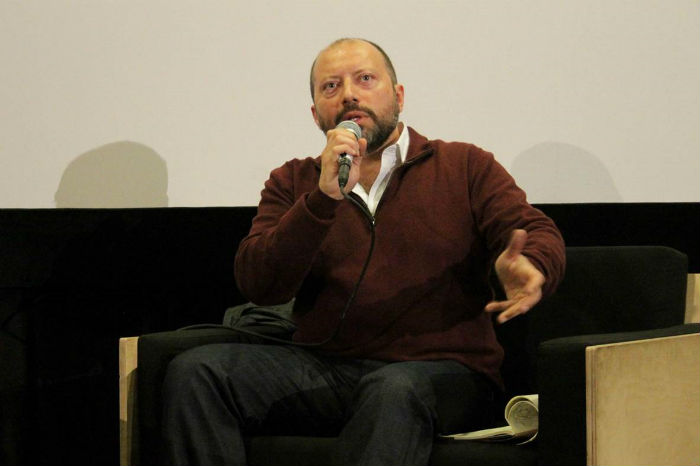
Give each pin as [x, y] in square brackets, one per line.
[348, 53]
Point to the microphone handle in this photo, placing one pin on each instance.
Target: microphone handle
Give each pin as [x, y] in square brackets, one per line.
[344, 163]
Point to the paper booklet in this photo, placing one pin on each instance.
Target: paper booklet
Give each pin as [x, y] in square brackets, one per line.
[521, 413]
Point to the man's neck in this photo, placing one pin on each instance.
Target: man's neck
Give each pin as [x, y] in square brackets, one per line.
[392, 139]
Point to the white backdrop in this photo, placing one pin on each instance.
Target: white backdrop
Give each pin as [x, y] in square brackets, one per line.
[192, 103]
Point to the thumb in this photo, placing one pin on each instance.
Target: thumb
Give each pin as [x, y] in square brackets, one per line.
[516, 244]
[363, 146]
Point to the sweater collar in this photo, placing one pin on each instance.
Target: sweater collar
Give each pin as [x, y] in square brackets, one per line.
[418, 146]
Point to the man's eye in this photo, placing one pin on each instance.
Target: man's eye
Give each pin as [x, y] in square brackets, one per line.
[330, 86]
[365, 77]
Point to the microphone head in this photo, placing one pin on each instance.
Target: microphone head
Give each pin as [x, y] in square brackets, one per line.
[352, 127]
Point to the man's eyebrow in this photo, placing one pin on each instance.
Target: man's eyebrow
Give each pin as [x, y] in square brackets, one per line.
[329, 76]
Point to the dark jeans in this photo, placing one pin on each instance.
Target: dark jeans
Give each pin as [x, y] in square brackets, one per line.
[384, 413]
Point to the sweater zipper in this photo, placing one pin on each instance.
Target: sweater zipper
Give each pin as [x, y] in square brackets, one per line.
[367, 213]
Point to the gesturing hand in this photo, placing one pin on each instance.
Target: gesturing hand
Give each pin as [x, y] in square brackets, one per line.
[521, 281]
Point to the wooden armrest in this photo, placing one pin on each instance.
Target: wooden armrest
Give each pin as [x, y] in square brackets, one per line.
[128, 424]
[643, 402]
[692, 298]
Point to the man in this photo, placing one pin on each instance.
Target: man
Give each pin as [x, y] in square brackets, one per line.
[415, 355]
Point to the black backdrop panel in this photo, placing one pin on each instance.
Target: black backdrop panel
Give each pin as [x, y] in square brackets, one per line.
[72, 281]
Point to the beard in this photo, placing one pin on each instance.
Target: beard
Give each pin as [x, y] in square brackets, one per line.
[376, 136]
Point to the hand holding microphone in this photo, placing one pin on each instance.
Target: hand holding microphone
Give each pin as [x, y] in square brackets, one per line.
[344, 144]
[345, 160]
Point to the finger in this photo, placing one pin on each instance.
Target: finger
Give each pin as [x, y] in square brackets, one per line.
[498, 306]
[347, 149]
[341, 134]
[505, 316]
[337, 137]
[513, 311]
[511, 308]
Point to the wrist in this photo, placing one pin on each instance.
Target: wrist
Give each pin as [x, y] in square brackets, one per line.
[322, 205]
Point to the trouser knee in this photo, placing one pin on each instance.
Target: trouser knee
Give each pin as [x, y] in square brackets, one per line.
[398, 389]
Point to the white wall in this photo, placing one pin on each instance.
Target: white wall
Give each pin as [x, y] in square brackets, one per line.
[119, 100]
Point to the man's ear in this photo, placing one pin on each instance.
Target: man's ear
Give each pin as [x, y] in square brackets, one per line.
[398, 88]
[313, 112]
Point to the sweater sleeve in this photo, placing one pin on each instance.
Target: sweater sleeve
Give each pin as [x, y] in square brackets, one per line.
[285, 237]
[500, 207]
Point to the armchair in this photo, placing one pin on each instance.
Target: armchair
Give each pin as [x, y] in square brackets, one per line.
[616, 369]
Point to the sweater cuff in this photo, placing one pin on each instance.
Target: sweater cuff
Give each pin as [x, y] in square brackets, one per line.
[320, 205]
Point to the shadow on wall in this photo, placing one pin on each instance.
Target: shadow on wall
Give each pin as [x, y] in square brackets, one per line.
[120, 174]
[555, 172]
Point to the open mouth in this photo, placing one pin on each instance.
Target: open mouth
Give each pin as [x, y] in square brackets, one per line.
[354, 116]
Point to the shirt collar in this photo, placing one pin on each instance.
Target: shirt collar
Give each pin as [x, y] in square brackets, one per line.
[400, 147]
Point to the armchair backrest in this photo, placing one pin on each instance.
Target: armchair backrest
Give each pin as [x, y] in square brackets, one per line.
[606, 289]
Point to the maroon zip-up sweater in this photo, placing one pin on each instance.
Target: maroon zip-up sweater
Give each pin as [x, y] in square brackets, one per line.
[446, 214]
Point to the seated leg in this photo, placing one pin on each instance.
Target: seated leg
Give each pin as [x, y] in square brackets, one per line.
[398, 409]
[215, 394]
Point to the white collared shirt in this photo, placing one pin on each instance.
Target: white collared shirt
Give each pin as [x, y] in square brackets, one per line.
[392, 157]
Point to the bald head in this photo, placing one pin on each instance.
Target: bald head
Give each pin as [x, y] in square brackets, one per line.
[387, 60]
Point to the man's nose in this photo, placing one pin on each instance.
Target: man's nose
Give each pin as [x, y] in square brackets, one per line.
[349, 92]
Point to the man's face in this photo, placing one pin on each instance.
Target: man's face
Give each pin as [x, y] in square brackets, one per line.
[351, 82]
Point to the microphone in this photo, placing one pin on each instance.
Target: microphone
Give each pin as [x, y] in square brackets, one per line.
[345, 160]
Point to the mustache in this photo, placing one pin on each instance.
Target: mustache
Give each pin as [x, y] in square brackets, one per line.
[354, 107]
